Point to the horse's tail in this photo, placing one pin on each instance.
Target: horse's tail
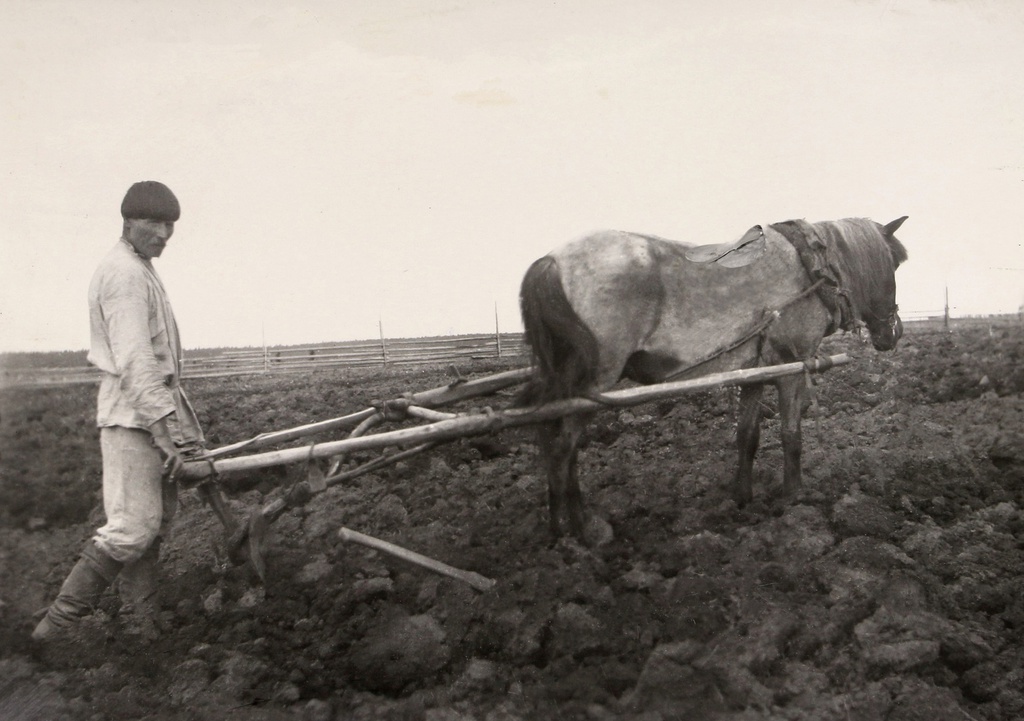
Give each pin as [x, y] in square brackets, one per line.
[563, 348]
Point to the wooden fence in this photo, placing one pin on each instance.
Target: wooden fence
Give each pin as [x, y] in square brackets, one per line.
[942, 321]
[303, 359]
[407, 351]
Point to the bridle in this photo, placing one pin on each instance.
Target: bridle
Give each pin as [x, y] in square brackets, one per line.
[890, 321]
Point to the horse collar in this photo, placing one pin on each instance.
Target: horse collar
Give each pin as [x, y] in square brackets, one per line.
[813, 254]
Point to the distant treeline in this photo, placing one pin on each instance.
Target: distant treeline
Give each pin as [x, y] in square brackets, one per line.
[50, 359]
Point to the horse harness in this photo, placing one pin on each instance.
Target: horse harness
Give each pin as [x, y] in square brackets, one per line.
[824, 281]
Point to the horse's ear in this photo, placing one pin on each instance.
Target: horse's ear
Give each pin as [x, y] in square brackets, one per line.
[899, 252]
[891, 228]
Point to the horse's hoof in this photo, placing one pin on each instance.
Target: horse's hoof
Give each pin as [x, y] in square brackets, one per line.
[597, 532]
[572, 549]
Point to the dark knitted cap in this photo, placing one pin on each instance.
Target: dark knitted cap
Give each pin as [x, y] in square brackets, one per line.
[152, 200]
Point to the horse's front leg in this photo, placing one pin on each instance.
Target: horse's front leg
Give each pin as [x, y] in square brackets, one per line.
[791, 407]
[748, 436]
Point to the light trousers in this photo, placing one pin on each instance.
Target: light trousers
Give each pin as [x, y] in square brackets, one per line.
[138, 503]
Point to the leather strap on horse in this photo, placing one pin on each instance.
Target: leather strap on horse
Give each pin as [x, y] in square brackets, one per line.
[813, 254]
[757, 331]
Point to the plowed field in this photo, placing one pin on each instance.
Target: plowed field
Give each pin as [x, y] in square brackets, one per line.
[891, 588]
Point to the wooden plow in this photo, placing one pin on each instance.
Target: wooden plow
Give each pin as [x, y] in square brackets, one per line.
[246, 540]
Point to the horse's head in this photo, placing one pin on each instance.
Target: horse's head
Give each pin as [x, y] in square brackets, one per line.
[880, 314]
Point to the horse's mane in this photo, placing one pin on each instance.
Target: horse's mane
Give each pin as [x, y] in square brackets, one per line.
[864, 257]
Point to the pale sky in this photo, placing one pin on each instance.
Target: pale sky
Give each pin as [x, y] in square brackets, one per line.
[404, 161]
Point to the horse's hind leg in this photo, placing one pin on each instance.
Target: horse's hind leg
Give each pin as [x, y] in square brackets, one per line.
[791, 399]
[559, 441]
[556, 469]
[748, 437]
[573, 427]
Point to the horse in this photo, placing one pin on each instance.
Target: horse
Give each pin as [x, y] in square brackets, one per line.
[616, 305]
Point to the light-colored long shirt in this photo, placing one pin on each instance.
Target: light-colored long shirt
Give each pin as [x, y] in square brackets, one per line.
[134, 341]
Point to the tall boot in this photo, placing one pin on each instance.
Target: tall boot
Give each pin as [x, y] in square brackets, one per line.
[81, 590]
[139, 586]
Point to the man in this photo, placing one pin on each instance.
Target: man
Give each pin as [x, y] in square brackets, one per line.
[146, 423]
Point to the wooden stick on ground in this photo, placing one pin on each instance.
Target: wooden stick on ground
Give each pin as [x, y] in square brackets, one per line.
[480, 583]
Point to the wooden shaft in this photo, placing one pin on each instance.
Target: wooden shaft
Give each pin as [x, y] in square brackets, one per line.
[268, 439]
[427, 414]
[481, 583]
[480, 423]
[452, 393]
[433, 398]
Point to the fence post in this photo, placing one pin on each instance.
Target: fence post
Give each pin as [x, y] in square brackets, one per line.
[383, 345]
[263, 339]
[497, 331]
[945, 314]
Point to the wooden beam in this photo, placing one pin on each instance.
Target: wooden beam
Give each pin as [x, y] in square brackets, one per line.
[492, 421]
[433, 398]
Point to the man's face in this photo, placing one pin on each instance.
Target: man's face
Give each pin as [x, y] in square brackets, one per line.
[148, 237]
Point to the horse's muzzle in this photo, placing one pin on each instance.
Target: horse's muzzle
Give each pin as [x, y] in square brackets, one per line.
[886, 335]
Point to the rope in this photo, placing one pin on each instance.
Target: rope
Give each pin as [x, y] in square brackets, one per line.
[818, 363]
